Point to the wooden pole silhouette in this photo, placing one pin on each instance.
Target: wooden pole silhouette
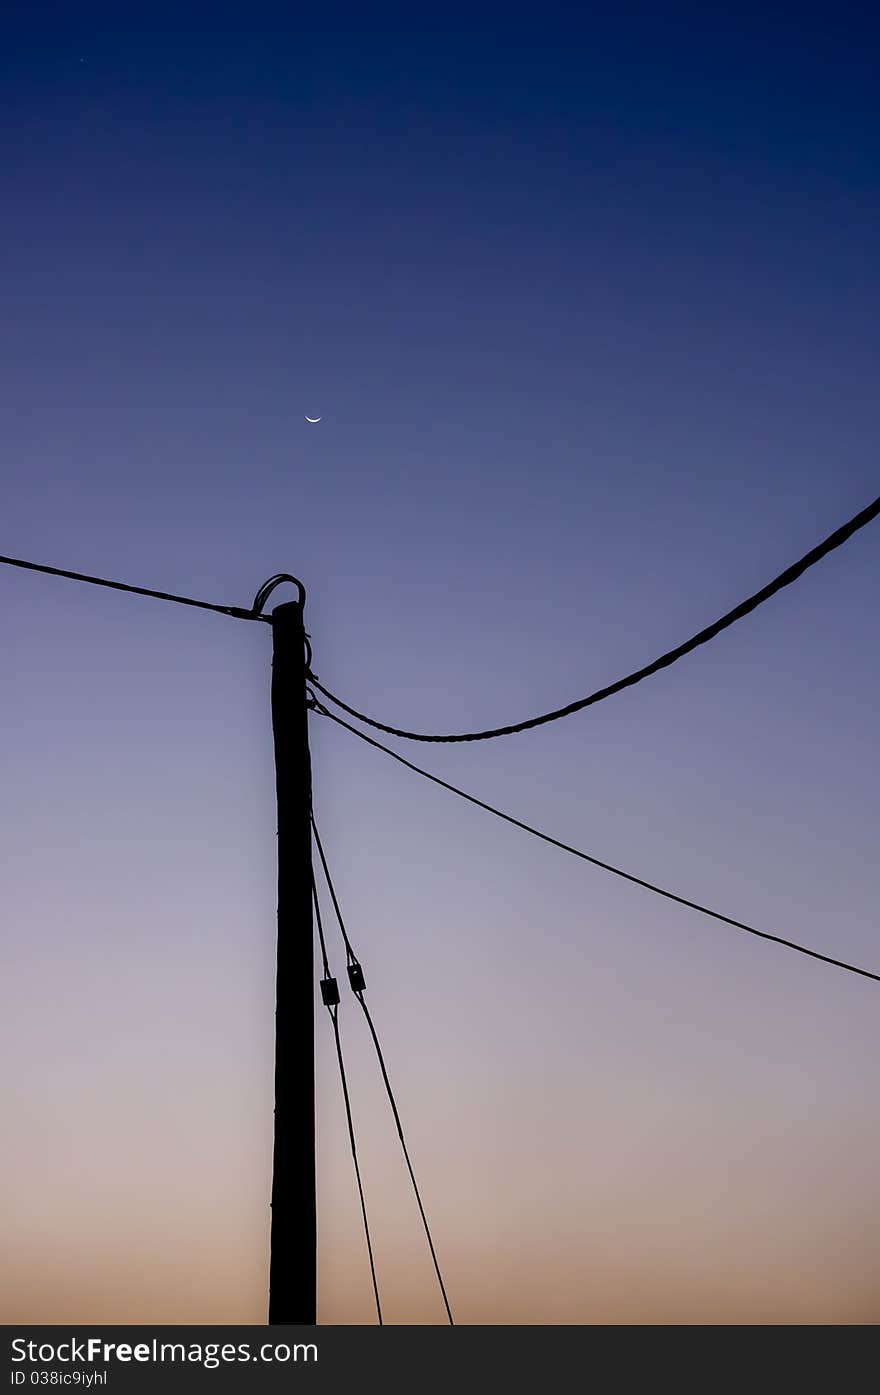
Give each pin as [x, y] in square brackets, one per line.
[292, 1265]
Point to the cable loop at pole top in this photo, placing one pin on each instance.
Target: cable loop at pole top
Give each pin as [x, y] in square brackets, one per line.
[268, 587]
[785, 578]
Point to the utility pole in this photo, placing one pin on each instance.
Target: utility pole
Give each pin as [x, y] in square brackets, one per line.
[292, 1264]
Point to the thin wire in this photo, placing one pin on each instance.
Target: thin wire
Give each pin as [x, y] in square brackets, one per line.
[834, 540]
[320, 926]
[389, 1091]
[597, 862]
[349, 950]
[334, 1011]
[237, 612]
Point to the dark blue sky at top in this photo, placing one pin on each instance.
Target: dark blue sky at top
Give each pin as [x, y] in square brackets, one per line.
[676, 68]
[448, 136]
[448, 105]
[792, 85]
[435, 212]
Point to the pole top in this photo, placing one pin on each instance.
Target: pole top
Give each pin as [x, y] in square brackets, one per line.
[268, 587]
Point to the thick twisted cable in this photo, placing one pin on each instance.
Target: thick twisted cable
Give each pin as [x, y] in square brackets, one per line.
[834, 540]
[237, 612]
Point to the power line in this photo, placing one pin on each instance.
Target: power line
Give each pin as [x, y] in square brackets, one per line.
[834, 540]
[236, 611]
[392, 1102]
[597, 862]
[330, 997]
[358, 985]
[334, 1011]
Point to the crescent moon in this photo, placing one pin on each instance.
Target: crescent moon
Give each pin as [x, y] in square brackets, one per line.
[313, 419]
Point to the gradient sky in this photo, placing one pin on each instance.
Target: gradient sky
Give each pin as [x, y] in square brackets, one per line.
[588, 304]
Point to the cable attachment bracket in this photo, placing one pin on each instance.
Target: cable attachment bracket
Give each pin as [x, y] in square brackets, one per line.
[268, 587]
[356, 977]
